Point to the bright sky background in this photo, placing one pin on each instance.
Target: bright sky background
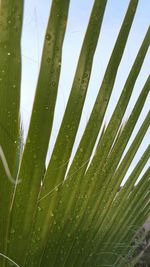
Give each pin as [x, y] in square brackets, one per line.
[35, 20]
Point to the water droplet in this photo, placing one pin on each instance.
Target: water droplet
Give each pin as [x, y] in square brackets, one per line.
[48, 37]
[52, 71]
[57, 48]
[39, 208]
[19, 17]
[48, 60]
[12, 231]
[53, 83]
[14, 86]
[86, 75]
[8, 53]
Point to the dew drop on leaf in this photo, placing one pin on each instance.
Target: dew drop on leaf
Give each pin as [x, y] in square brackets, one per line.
[48, 60]
[48, 37]
[39, 209]
[12, 231]
[53, 83]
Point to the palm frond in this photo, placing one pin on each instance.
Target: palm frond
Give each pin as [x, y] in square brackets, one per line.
[86, 212]
[10, 78]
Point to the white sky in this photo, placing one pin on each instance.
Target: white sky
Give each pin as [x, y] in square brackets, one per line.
[35, 19]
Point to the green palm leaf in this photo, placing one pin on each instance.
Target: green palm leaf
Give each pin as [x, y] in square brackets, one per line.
[82, 214]
[11, 14]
